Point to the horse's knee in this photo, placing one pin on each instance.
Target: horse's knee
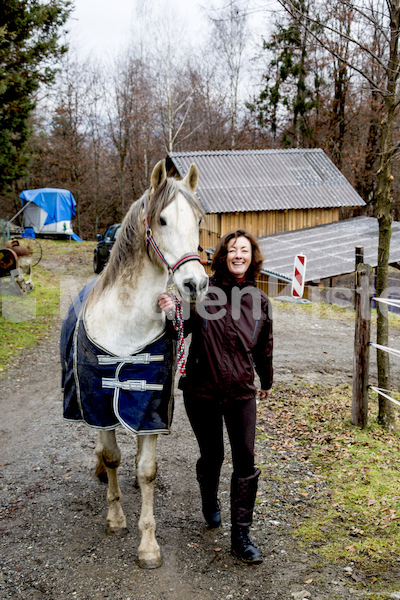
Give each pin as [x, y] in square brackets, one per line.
[109, 456]
[106, 460]
[146, 473]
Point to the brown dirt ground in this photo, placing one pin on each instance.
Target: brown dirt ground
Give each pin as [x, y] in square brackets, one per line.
[52, 509]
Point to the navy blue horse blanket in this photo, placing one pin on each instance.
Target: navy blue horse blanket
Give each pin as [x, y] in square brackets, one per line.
[106, 391]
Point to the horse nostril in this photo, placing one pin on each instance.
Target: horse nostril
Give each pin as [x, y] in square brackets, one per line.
[203, 284]
[190, 287]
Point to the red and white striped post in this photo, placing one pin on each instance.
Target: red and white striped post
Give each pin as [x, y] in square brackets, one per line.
[299, 273]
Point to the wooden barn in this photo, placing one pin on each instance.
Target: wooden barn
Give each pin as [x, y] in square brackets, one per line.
[265, 191]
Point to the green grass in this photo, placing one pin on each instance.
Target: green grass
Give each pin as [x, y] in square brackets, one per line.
[357, 517]
[26, 320]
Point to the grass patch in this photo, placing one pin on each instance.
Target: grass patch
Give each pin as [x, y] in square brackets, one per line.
[357, 517]
[26, 320]
[65, 248]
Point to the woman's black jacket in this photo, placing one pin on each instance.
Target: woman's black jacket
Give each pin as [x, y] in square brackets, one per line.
[231, 334]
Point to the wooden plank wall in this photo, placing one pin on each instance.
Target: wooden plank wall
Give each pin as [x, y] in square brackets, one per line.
[261, 224]
[210, 232]
[267, 223]
[275, 287]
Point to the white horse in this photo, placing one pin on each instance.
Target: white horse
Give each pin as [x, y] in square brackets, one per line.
[158, 238]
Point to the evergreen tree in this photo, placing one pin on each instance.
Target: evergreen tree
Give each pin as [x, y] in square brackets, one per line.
[288, 92]
[29, 48]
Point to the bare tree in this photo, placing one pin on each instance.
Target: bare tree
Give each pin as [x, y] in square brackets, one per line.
[68, 157]
[121, 103]
[166, 55]
[230, 27]
[101, 195]
[343, 21]
[207, 126]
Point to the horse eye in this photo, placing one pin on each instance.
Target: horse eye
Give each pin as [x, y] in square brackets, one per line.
[163, 222]
[199, 249]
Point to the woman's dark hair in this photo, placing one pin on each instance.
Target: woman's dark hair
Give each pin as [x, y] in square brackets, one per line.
[219, 264]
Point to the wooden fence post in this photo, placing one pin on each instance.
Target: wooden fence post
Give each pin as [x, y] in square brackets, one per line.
[359, 409]
[359, 258]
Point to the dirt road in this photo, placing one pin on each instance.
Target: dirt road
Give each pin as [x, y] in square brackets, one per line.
[53, 510]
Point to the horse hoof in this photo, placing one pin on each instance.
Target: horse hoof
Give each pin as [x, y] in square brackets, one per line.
[150, 563]
[118, 531]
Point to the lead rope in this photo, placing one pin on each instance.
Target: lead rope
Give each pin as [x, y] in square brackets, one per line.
[178, 326]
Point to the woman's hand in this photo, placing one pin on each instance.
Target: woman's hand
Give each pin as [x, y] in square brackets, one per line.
[263, 394]
[166, 304]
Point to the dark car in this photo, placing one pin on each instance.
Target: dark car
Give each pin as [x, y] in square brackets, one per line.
[103, 248]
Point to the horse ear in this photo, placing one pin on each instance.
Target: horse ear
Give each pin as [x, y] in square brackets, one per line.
[158, 175]
[192, 178]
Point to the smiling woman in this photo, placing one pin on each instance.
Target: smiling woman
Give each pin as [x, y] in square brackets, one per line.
[219, 382]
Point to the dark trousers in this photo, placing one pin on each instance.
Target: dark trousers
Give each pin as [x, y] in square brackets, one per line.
[206, 417]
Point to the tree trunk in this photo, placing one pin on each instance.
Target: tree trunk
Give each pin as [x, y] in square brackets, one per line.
[365, 178]
[338, 124]
[384, 205]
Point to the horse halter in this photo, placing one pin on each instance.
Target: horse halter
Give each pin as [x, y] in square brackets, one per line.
[150, 241]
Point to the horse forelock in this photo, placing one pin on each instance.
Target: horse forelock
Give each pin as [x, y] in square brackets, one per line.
[167, 193]
[130, 245]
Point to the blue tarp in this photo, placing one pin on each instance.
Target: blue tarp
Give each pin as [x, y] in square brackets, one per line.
[59, 204]
[28, 232]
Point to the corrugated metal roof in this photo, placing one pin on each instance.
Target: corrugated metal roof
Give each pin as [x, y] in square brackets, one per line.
[262, 180]
[330, 249]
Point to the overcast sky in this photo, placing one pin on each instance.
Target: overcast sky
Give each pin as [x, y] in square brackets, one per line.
[102, 27]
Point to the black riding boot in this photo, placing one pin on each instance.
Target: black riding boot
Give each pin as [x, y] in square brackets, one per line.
[243, 495]
[209, 489]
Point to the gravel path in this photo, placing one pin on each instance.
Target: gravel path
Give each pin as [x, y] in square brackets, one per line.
[52, 509]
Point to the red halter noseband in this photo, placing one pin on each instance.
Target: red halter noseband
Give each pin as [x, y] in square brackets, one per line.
[150, 241]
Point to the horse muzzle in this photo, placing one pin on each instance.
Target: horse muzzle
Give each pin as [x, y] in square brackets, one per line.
[194, 289]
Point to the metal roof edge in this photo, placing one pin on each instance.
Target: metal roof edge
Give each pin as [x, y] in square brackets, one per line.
[277, 275]
[258, 151]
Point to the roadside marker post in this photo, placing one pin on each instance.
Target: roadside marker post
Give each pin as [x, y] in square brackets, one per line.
[299, 273]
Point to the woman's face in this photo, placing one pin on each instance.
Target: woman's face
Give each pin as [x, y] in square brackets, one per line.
[239, 256]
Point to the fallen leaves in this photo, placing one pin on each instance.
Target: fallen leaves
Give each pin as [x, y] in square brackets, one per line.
[360, 470]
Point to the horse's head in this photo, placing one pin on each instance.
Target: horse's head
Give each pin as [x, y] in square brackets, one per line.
[174, 216]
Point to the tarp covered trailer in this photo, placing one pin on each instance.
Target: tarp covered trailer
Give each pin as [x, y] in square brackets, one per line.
[49, 211]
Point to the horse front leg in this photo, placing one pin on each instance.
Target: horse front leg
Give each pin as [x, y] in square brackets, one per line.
[146, 470]
[108, 460]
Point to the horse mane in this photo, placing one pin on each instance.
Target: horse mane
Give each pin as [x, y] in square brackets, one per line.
[130, 246]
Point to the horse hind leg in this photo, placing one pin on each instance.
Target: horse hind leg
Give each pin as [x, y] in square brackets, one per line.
[108, 461]
[146, 464]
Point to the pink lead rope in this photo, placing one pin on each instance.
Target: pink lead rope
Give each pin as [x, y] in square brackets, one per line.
[178, 325]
